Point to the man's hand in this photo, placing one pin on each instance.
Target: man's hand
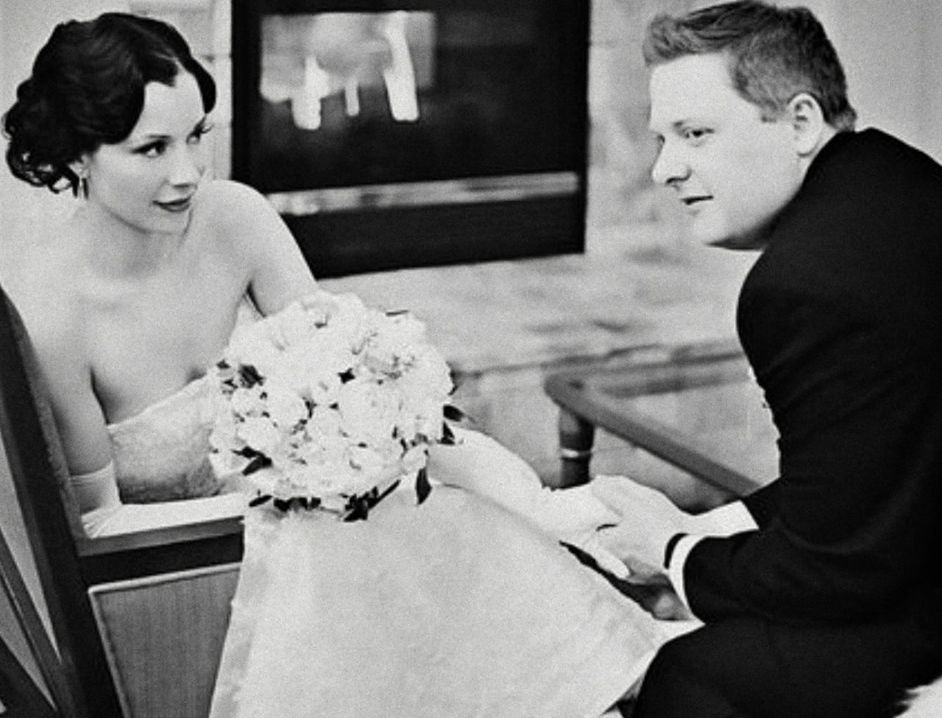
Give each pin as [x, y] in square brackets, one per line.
[648, 520]
[654, 594]
[661, 601]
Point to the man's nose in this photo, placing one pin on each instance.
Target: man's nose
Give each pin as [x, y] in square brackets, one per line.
[669, 166]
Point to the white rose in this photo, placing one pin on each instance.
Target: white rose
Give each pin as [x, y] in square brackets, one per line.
[414, 459]
[288, 326]
[324, 389]
[250, 344]
[367, 460]
[395, 342]
[223, 435]
[368, 410]
[317, 306]
[261, 434]
[323, 422]
[330, 350]
[247, 401]
[285, 408]
[430, 370]
[225, 463]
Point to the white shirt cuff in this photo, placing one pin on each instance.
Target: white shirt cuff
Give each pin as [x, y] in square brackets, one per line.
[721, 521]
[725, 520]
[678, 559]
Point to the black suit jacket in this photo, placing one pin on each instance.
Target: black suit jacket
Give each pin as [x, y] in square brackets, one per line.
[841, 319]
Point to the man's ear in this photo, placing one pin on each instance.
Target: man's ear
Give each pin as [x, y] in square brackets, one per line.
[810, 130]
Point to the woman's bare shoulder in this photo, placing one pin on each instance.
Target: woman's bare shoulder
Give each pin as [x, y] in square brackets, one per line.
[236, 214]
[232, 204]
[56, 330]
[243, 221]
[48, 301]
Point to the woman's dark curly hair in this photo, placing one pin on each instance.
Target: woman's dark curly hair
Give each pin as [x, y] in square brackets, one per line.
[87, 89]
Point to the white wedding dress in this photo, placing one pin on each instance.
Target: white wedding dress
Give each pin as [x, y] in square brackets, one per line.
[456, 607]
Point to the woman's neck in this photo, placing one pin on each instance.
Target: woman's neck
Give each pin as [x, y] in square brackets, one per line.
[119, 250]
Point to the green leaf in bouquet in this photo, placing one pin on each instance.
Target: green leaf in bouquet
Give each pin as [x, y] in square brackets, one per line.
[448, 436]
[307, 503]
[257, 462]
[422, 486]
[249, 376]
[259, 500]
[453, 413]
[282, 504]
[358, 507]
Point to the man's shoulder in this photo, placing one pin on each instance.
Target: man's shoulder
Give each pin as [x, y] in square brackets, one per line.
[877, 155]
[865, 182]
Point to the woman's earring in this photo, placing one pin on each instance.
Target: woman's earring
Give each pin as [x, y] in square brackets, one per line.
[80, 189]
[83, 183]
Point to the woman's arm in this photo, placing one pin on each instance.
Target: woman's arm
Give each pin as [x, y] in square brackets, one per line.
[86, 444]
[79, 418]
[277, 271]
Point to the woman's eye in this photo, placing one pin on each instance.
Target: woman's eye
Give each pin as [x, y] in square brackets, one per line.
[153, 149]
[198, 133]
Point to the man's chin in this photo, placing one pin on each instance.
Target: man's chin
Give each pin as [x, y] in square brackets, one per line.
[753, 240]
[750, 242]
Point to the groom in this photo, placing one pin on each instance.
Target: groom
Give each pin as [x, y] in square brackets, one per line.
[831, 604]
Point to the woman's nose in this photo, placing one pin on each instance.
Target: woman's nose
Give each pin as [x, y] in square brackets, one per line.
[188, 165]
[669, 166]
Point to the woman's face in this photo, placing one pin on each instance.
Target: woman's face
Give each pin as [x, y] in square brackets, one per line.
[147, 181]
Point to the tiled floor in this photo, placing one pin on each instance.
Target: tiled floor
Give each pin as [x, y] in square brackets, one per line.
[503, 325]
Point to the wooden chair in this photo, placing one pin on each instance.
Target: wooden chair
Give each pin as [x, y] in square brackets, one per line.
[610, 397]
[23, 639]
[80, 575]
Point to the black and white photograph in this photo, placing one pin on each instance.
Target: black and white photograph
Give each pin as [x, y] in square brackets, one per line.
[470, 359]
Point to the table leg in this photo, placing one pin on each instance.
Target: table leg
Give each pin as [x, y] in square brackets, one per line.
[576, 436]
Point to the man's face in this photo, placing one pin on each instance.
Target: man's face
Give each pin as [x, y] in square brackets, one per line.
[732, 170]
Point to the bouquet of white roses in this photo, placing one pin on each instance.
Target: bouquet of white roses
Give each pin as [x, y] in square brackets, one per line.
[328, 403]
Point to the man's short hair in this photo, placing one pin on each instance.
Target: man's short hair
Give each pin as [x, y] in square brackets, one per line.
[773, 54]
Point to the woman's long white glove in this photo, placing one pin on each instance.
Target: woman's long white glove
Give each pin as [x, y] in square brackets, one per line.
[103, 514]
[483, 466]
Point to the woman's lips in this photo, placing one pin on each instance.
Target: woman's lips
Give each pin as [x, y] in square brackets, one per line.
[176, 205]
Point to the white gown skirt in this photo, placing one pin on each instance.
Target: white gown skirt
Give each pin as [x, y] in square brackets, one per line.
[454, 608]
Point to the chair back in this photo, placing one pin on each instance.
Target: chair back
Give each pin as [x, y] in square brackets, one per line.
[69, 563]
[38, 470]
[163, 638]
[30, 671]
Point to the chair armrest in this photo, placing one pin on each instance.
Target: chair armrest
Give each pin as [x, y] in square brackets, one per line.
[601, 397]
[171, 548]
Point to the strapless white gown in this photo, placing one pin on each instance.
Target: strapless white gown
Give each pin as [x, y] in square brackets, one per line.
[160, 454]
[454, 608]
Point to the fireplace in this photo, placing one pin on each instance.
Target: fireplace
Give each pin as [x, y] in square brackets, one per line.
[404, 133]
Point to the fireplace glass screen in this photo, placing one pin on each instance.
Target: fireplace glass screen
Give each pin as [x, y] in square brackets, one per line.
[415, 132]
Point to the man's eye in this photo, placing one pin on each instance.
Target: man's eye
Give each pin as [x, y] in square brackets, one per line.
[695, 134]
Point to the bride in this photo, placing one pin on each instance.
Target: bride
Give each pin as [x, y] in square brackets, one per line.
[458, 607]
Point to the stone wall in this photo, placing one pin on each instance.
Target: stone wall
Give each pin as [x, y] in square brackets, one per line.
[622, 199]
